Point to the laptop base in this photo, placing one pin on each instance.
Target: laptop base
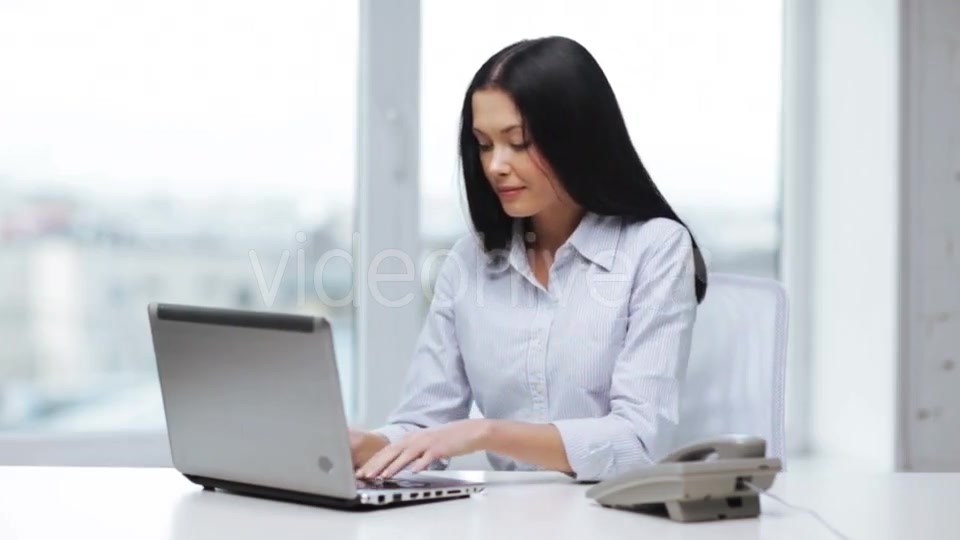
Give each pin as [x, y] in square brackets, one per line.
[311, 499]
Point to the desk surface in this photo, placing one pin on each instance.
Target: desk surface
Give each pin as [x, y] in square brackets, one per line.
[106, 504]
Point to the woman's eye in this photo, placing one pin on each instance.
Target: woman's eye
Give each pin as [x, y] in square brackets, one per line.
[516, 146]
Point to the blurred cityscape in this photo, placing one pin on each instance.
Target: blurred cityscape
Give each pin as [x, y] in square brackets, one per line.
[76, 275]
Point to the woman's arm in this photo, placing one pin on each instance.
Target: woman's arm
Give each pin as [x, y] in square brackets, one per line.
[537, 444]
[645, 389]
[436, 390]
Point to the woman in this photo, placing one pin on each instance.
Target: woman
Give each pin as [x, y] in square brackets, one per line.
[568, 318]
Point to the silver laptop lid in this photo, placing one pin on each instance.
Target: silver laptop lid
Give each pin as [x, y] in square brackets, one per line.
[253, 397]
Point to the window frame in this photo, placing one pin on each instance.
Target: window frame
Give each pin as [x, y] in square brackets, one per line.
[797, 201]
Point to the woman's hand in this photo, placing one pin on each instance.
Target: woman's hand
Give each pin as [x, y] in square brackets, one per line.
[427, 445]
[364, 444]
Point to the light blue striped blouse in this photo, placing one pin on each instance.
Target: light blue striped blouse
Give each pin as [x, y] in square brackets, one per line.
[600, 353]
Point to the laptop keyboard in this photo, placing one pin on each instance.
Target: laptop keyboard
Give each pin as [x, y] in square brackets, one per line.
[390, 483]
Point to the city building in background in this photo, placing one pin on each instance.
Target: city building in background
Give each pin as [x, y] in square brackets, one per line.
[76, 277]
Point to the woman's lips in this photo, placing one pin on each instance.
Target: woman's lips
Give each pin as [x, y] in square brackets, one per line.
[510, 192]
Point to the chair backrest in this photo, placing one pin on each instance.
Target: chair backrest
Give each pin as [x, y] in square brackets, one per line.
[735, 378]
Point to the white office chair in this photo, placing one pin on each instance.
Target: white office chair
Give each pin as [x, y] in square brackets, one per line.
[735, 378]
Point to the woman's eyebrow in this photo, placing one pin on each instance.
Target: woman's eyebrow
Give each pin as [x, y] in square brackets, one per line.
[504, 130]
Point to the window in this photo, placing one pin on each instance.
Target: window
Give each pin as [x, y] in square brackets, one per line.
[179, 151]
[190, 151]
[698, 81]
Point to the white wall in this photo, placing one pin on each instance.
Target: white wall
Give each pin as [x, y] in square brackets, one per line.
[855, 231]
[931, 262]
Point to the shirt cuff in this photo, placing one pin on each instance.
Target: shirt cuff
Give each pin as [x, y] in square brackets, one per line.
[395, 432]
[590, 456]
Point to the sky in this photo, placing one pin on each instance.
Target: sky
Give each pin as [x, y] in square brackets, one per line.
[207, 98]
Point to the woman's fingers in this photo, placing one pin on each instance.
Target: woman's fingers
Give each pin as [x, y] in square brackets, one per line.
[418, 452]
[423, 462]
[390, 461]
[402, 460]
[375, 465]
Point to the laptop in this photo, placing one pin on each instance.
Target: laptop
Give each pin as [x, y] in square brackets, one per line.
[253, 406]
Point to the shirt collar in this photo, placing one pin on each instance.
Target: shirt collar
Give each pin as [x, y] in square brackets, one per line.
[595, 238]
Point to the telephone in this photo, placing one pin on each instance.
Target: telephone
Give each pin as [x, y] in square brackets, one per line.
[700, 482]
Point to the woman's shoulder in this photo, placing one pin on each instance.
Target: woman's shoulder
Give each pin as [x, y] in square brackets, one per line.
[467, 247]
[655, 246]
[652, 235]
[465, 253]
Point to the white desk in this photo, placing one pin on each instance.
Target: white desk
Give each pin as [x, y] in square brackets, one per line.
[108, 504]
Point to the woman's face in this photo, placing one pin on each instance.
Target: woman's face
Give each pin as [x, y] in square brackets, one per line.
[518, 173]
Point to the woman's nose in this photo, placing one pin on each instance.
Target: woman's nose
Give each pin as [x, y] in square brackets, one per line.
[499, 163]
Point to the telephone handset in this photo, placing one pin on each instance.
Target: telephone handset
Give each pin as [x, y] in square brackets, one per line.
[699, 482]
[725, 447]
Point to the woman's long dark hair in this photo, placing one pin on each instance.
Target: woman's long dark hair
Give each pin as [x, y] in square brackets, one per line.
[571, 114]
